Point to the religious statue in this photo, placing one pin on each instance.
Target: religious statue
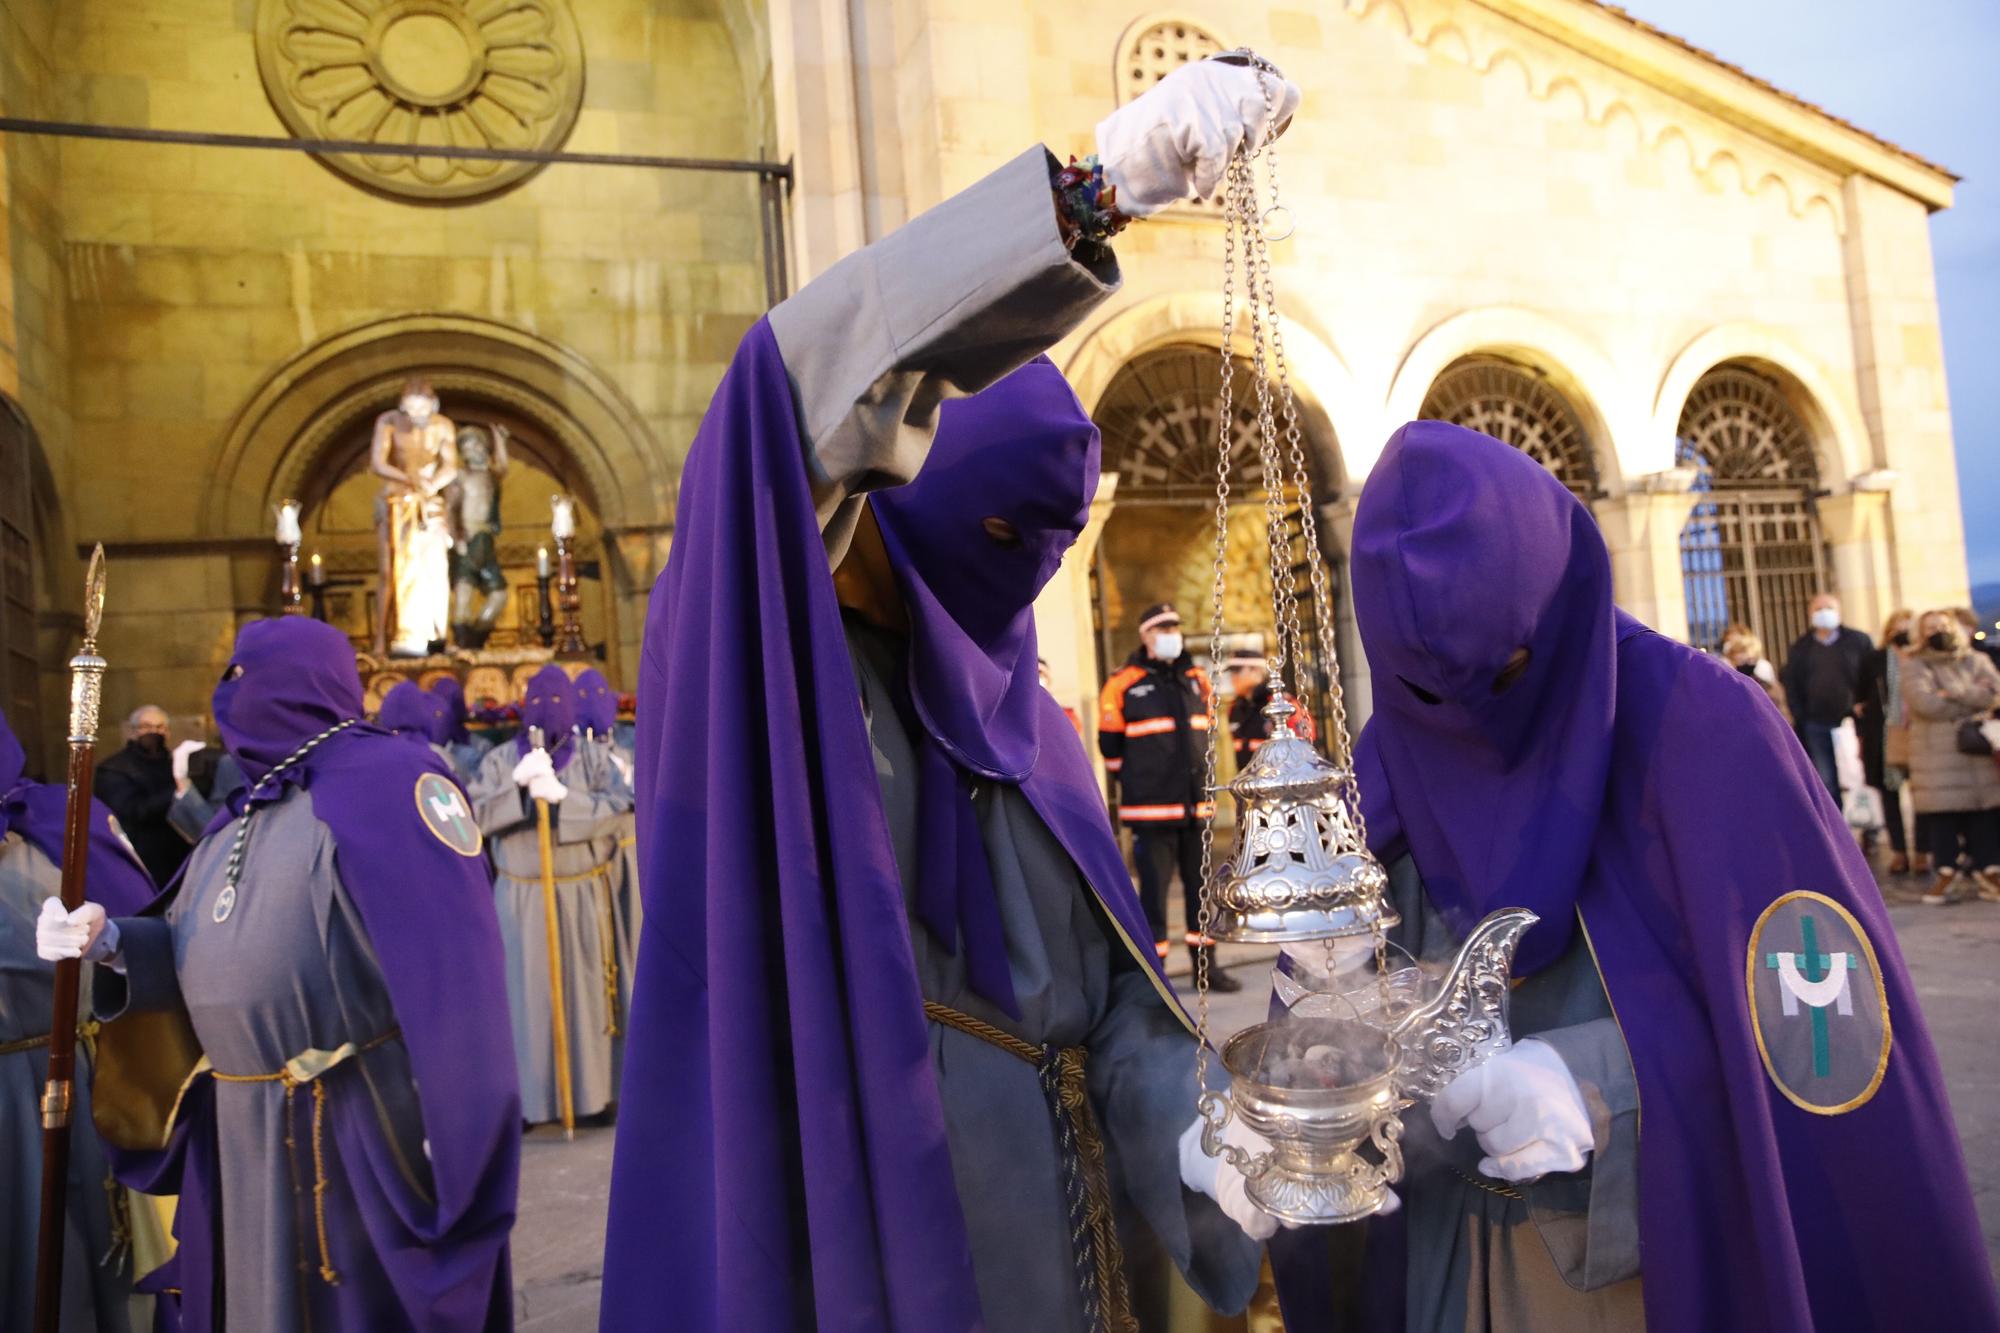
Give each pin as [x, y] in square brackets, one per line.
[474, 507]
[415, 452]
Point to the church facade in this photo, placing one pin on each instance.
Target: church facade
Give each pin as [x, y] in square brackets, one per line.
[1706, 305]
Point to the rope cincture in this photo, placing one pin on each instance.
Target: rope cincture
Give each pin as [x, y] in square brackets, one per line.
[1100, 1261]
[292, 1082]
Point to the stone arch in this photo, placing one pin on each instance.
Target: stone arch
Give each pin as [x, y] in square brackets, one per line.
[1578, 372]
[1319, 376]
[284, 433]
[1830, 413]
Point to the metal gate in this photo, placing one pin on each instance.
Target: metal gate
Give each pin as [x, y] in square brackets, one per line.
[1752, 552]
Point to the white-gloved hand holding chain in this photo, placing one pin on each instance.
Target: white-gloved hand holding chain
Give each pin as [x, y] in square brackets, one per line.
[86, 933]
[1527, 1110]
[1175, 141]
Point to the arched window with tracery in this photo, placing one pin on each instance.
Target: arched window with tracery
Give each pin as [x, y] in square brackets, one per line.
[1752, 552]
[1150, 52]
[1158, 422]
[1516, 404]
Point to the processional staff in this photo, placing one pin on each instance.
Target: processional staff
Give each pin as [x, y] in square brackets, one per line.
[558, 1011]
[86, 688]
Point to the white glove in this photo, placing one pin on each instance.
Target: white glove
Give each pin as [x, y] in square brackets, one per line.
[85, 933]
[546, 787]
[1174, 141]
[181, 753]
[1526, 1108]
[536, 763]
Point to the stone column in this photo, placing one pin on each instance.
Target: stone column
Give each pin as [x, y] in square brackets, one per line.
[1860, 533]
[1064, 621]
[1642, 528]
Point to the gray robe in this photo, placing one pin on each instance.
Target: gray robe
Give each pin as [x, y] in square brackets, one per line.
[290, 971]
[96, 1281]
[947, 305]
[1564, 1255]
[584, 862]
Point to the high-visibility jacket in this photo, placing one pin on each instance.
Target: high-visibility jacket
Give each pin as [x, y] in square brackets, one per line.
[1249, 728]
[1152, 727]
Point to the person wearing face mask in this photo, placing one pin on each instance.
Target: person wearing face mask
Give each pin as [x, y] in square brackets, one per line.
[1957, 794]
[307, 1034]
[1883, 721]
[137, 784]
[1742, 649]
[1711, 950]
[1822, 679]
[1152, 728]
[939, 1080]
[586, 796]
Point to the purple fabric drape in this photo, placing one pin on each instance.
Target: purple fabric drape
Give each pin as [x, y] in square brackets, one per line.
[1629, 782]
[446, 1255]
[781, 1157]
[410, 710]
[114, 877]
[448, 689]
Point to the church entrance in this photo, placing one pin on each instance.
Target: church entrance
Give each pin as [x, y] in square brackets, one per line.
[1158, 420]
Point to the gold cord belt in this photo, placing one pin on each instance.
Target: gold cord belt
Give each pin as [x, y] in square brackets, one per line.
[607, 932]
[1100, 1263]
[1504, 1191]
[298, 1071]
[24, 1044]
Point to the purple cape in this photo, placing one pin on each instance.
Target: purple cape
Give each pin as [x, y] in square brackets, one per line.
[781, 1157]
[113, 875]
[596, 705]
[448, 689]
[550, 703]
[446, 1256]
[414, 712]
[1629, 782]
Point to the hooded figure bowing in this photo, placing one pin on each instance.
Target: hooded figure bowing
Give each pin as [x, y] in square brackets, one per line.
[585, 797]
[343, 1123]
[96, 1271]
[1722, 1109]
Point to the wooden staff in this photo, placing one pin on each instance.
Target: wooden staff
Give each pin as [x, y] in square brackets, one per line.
[558, 1014]
[86, 689]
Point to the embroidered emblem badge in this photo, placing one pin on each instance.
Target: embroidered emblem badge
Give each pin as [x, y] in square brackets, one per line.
[445, 813]
[1816, 1003]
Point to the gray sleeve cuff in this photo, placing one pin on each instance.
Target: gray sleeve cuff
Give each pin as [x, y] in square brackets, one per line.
[149, 982]
[943, 306]
[1590, 1220]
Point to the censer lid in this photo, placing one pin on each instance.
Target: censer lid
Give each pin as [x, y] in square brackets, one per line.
[1286, 764]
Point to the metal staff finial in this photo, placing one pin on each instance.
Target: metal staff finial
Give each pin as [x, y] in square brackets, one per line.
[93, 599]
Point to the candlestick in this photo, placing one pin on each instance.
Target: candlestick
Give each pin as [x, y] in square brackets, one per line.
[541, 562]
[569, 641]
[316, 572]
[288, 523]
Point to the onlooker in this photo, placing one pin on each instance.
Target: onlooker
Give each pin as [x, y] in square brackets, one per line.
[1822, 677]
[1883, 722]
[1151, 722]
[1976, 634]
[1958, 793]
[137, 783]
[1742, 649]
[1250, 695]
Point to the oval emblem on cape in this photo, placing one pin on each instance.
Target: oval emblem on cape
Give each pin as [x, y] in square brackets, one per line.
[1816, 1004]
[445, 813]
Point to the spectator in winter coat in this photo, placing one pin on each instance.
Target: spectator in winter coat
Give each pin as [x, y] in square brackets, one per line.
[1822, 677]
[1957, 793]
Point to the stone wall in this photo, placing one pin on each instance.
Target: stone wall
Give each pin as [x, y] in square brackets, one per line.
[152, 292]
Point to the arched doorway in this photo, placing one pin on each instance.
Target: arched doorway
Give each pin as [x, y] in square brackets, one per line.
[20, 584]
[1753, 551]
[1516, 403]
[1158, 420]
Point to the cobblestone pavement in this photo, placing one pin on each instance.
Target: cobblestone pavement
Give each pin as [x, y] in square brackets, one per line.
[1953, 952]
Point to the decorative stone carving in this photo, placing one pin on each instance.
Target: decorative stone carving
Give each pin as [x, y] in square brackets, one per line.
[464, 73]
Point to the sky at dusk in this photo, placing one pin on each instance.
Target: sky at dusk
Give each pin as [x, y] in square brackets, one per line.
[1924, 74]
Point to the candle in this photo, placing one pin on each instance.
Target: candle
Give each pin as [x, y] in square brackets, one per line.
[563, 525]
[317, 573]
[288, 523]
[541, 562]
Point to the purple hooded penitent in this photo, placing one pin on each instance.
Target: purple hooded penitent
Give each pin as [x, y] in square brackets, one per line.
[113, 875]
[412, 711]
[1798, 1167]
[448, 689]
[550, 705]
[596, 705]
[445, 1254]
[781, 1159]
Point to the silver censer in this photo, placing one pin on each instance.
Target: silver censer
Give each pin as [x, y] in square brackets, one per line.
[1326, 1091]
